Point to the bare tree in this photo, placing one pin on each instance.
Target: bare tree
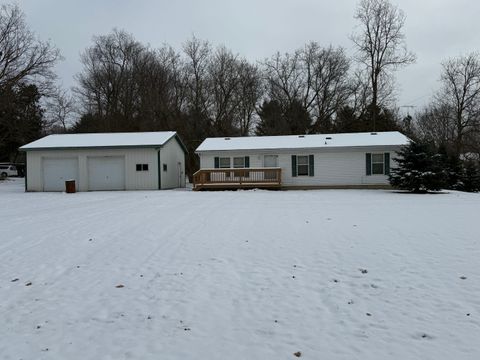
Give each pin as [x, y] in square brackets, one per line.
[314, 76]
[433, 125]
[460, 93]
[106, 85]
[174, 64]
[250, 93]
[283, 75]
[60, 107]
[224, 73]
[327, 83]
[23, 56]
[197, 54]
[380, 43]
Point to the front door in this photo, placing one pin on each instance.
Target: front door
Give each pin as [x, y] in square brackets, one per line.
[270, 161]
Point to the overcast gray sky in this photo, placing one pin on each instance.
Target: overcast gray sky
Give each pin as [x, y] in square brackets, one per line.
[435, 29]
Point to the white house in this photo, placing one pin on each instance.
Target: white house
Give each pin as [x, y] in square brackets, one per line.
[298, 161]
[106, 161]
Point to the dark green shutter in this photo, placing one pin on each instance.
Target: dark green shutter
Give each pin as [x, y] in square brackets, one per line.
[217, 162]
[311, 165]
[294, 165]
[247, 161]
[387, 163]
[369, 163]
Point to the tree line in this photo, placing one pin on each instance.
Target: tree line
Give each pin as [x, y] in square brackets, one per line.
[201, 90]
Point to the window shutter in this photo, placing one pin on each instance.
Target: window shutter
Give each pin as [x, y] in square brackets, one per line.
[294, 165]
[217, 162]
[311, 166]
[368, 157]
[387, 163]
[247, 161]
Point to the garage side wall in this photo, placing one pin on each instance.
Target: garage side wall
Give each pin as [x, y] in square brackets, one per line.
[134, 180]
[172, 158]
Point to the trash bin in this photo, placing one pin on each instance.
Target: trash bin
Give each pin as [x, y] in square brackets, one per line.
[70, 186]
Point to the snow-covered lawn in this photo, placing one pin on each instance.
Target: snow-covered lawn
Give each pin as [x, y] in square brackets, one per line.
[334, 274]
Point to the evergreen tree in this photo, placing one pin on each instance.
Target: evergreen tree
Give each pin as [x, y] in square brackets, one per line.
[452, 167]
[419, 170]
[272, 121]
[21, 119]
[297, 118]
[277, 119]
[469, 177]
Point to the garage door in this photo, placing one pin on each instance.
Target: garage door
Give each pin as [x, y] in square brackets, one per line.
[57, 171]
[106, 173]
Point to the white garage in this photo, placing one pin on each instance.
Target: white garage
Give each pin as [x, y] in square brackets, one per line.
[106, 161]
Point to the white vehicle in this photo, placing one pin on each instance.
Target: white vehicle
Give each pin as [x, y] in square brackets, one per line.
[8, 170]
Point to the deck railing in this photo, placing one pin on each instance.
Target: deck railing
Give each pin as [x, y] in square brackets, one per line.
[237, 178]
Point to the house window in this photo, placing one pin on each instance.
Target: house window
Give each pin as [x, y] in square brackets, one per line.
[142, 167]
[164, 167]
[238, 162]
[302, 165]
[378, 164]
[224, 163]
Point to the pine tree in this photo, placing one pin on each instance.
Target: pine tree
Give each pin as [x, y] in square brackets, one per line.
[419, 170]
[452, 166]
[470, 177]
[276, 119]
[272, 120]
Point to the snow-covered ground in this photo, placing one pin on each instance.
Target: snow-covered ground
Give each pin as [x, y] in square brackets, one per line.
[334, 274]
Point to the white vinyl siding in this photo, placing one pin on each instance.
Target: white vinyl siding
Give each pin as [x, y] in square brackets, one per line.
[172, 165]
[332, 167]
[171, 154]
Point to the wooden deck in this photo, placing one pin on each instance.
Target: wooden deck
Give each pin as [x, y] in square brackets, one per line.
[239, 178]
